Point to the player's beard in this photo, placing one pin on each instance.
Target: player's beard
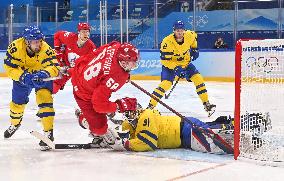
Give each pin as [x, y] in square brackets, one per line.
[37, 49]
[32, 51]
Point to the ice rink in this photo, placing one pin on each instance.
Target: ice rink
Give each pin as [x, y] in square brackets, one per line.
[21, 159]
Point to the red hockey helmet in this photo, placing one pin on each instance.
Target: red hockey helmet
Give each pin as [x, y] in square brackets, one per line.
[128, 56]
[83, 26]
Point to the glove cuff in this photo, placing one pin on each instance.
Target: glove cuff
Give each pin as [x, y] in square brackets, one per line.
[22, 77]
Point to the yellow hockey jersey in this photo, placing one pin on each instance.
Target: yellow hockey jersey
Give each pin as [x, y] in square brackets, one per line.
[17, 60]
[173, 54]
[154, 131]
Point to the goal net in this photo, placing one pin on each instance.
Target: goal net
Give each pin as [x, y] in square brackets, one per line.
[259, 100]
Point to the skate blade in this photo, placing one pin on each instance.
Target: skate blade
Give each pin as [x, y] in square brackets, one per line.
[212, 111]
[45, 148]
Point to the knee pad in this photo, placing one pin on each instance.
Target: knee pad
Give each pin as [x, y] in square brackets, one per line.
[160, 91]
[201, 90]
[166, 85]
[198, 80]
[44, 96]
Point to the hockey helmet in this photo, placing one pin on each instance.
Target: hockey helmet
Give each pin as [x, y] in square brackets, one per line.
[132, 116]
[178, 25]
[32, 33]
[128, 56]
[83, 26]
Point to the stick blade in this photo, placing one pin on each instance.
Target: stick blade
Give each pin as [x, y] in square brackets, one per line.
[43, 138]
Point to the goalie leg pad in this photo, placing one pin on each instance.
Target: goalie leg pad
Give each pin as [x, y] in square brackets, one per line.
[185, 134]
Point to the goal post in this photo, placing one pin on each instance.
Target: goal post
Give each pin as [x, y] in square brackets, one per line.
[259, 100]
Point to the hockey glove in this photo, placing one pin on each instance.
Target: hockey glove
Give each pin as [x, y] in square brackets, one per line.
[38, 78]
[194, 53]
[126, 104]
[121, 142]
[27, 79]
[180, 72]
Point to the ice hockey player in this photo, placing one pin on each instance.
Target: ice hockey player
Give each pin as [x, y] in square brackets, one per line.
[95, 77]
[69, 46]
[28, 61]
[177, 52]
[148, 130]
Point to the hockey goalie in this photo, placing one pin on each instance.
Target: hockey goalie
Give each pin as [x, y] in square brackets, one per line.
[148, 130]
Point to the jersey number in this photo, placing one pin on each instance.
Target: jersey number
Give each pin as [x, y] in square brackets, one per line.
[112, 84]
[12, 48]
[49, 52]
[95, 68]
[146, 122]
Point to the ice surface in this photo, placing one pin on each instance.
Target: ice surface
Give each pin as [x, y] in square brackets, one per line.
[21, 159]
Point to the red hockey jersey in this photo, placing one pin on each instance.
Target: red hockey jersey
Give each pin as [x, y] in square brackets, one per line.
[97, 75]
[71, 50]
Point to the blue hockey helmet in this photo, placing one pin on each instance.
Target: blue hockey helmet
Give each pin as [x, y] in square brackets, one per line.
[33, 33]
[178, 25]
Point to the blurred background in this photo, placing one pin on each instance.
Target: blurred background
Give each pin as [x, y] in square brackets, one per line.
[145, 22]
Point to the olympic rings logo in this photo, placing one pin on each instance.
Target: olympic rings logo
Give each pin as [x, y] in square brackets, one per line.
[267, 64]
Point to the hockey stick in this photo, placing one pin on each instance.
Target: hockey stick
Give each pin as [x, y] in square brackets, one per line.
[59, 146]
[52, 78]
[49, 78]
[207, 131]
[168, 95]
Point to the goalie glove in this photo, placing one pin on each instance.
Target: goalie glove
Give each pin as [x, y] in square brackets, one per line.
[121, 142]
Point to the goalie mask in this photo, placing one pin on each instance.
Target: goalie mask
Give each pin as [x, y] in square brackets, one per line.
[132, 116]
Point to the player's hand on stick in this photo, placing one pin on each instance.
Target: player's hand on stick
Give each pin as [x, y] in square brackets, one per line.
[65, 70]
[194, 53]
[27, 79]
[126, 104]
[38, 78]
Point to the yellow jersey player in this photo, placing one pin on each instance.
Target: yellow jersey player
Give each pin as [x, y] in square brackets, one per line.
[177, 52]
[148, 130]
[28, 61]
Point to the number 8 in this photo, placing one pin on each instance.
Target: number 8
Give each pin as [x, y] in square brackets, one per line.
[92, 71]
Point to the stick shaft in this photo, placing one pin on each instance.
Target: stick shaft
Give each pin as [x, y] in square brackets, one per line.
[215, 137]
[168, 95]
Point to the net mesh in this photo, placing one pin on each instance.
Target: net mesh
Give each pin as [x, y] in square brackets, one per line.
[262, 100]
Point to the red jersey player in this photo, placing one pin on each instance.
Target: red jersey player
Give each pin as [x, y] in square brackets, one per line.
[70, 46]
[94, 78]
